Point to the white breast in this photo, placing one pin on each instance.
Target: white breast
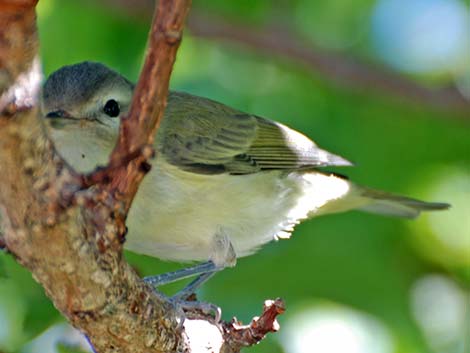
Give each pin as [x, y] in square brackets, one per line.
[176, 214]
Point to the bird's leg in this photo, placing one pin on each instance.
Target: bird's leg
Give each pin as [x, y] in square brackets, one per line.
[222, 256]
[193, 285]
[205, 271]
[170, 277]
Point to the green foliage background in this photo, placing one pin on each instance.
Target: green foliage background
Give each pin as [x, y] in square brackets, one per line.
[359, 261]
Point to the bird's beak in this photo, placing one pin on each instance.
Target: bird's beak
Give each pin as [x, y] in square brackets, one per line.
[58, 114]
[58, 119]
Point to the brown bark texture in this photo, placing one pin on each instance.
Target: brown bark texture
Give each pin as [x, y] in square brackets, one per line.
[68, 229]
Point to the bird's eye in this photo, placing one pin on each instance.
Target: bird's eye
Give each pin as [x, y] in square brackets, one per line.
[111, 108]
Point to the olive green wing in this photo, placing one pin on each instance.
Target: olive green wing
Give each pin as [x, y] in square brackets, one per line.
[278, 147]
[203, 136]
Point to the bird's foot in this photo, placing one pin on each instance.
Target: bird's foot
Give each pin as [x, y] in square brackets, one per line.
[196, 310]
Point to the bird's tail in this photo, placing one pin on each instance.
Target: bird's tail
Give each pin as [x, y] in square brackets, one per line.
[331, 193]
[385, 203]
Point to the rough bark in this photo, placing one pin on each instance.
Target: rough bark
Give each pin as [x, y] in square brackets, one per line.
[68, 229]
[67, 236]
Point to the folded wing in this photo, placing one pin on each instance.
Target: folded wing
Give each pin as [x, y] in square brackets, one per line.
[203, 136]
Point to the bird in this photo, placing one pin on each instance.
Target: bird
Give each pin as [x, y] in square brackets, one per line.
[223, 182]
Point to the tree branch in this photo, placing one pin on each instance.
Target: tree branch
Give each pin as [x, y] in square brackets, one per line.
[72, 249]
[68, 229]
[238, 336]
[149, 102]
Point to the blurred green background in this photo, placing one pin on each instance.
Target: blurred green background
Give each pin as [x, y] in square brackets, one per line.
[353, 283]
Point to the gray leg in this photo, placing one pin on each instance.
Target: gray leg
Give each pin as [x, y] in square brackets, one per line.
[169, 277]
[192, 308]
[205, 271]
[222, 255]
[195, 284]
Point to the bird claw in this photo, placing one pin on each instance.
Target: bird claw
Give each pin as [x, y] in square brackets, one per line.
[196, 310]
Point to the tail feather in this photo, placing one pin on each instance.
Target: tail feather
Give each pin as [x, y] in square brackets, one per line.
[394, 205]
[330, 193]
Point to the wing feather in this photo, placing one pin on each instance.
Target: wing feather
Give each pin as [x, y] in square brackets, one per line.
[203, 136]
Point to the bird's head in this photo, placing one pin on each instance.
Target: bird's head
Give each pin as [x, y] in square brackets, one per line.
[83, 93]
[82, 104]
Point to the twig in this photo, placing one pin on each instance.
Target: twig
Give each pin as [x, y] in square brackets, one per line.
[149, 102]
[101, 175]
[238, 336]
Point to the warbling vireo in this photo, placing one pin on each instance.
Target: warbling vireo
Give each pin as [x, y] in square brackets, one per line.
[223, 182]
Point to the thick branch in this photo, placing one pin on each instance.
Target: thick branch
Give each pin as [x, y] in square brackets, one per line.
[67, 237]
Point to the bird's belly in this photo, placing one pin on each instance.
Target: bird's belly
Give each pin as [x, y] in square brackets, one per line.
[176, 214]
